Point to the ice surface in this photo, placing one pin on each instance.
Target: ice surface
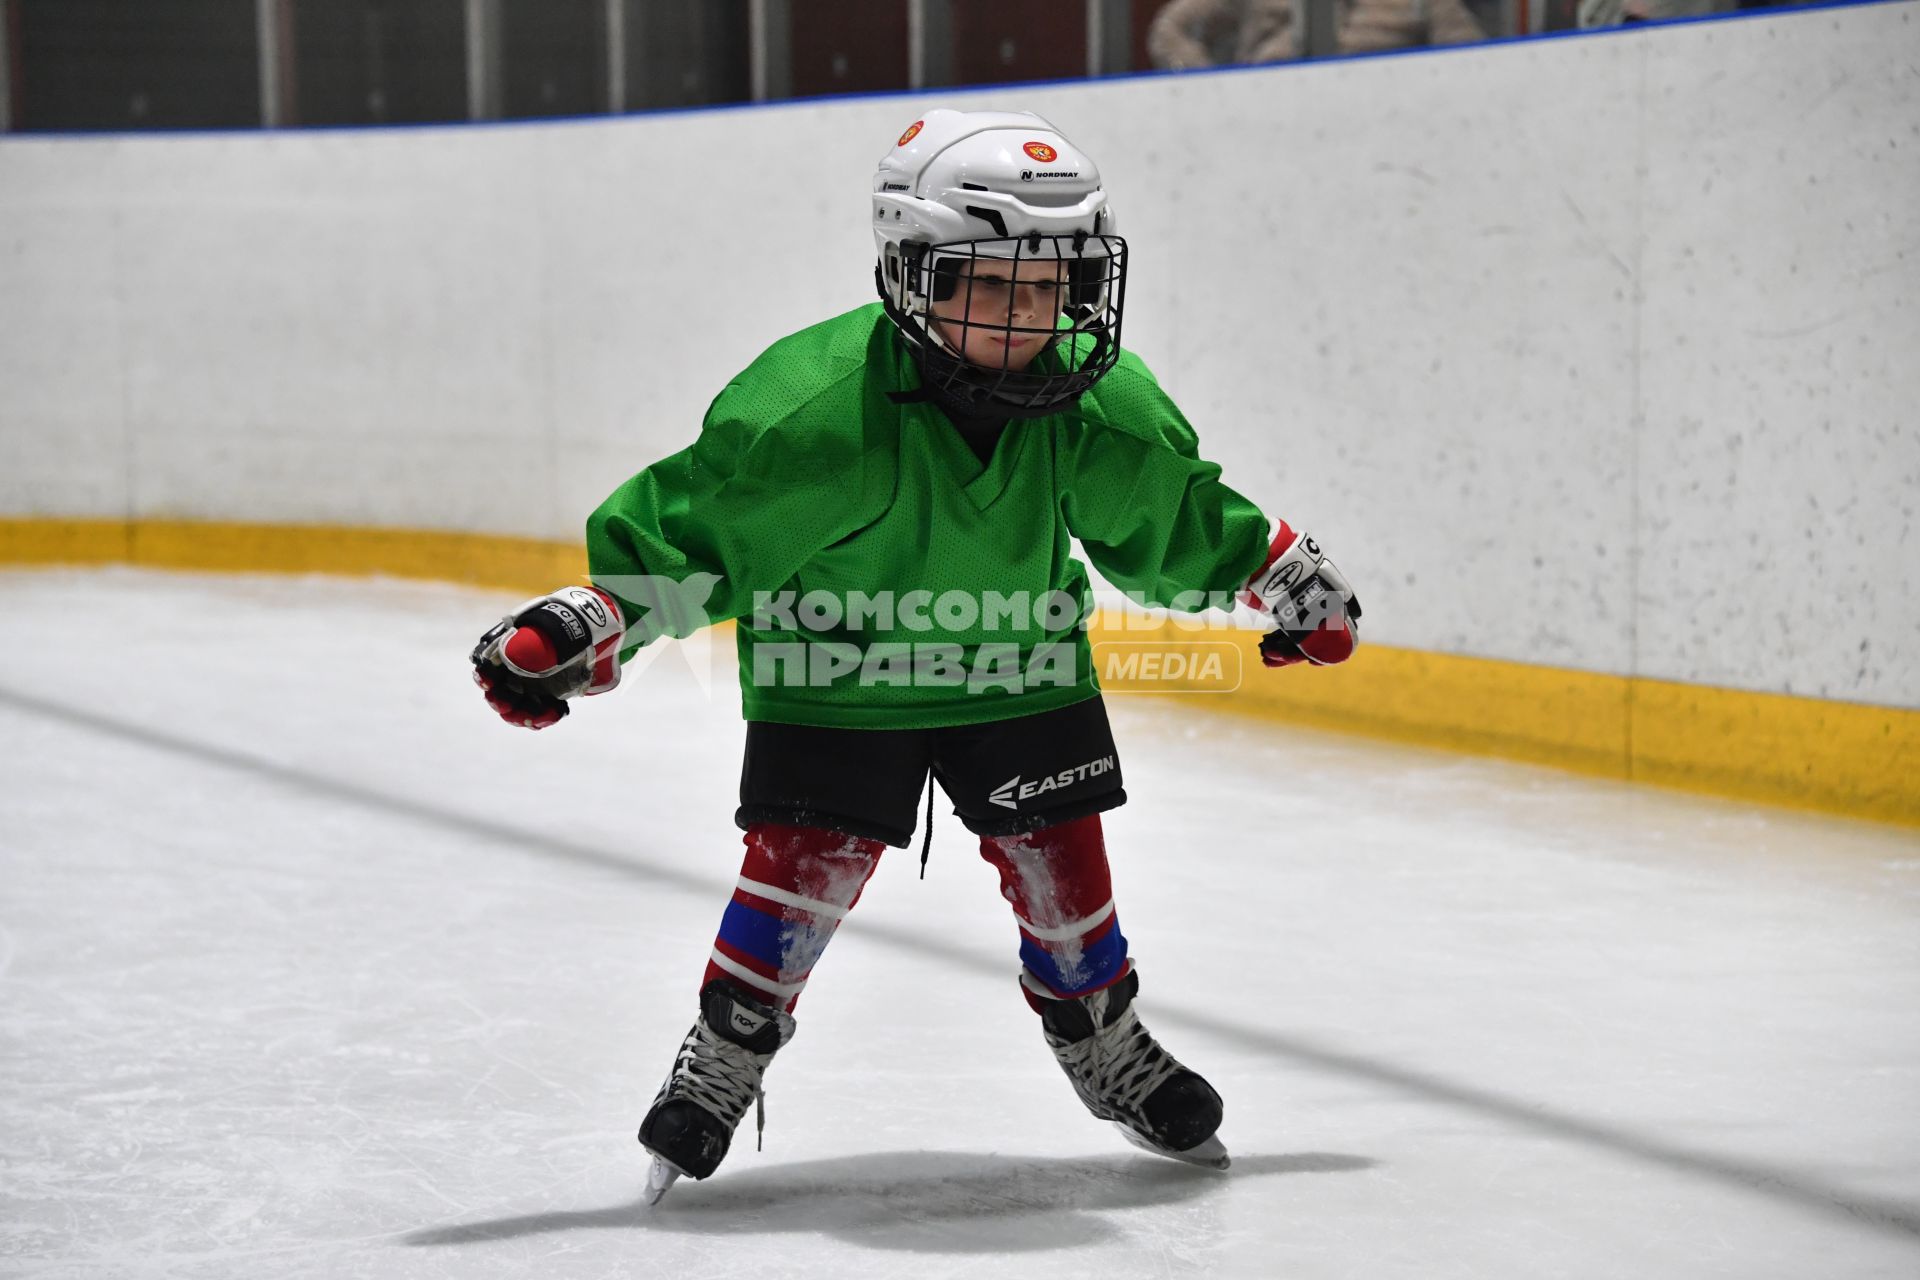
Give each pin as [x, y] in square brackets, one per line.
[313, 968]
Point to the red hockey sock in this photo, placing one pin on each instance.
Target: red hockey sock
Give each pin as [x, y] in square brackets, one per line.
[795, 886]
[1061, 891]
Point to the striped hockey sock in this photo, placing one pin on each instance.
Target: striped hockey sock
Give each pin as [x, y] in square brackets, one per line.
[795, 886]
[1061, 891]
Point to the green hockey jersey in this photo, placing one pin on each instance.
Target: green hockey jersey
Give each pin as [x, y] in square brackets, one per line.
[881, 575]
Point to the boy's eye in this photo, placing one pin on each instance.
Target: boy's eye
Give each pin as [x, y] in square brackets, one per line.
[1001, 282]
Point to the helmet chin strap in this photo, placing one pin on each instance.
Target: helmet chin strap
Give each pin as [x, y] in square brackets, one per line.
[933, 332]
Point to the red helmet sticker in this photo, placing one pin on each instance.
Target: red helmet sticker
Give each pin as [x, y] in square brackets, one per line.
[1042, 152]
[913, 131]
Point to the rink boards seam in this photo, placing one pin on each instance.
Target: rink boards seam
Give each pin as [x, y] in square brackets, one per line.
[1851, 758]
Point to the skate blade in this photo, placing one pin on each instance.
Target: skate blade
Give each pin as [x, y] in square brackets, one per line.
[1211, 1154]
[661, 1175]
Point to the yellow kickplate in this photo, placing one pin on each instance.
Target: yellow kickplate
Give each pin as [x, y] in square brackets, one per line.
[1849, 758]
[528, 565]
[50, 542]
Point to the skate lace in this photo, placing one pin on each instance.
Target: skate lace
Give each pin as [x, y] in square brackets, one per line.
[1118, 1067]
[720, 1076]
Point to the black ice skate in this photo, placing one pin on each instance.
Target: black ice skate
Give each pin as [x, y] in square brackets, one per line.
[1123, 1075]
[715, 1076]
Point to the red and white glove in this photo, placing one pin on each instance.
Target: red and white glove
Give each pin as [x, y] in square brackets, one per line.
[550, 649]
[1316, 611]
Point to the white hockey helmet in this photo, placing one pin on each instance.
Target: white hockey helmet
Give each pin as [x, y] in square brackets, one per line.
[960, 187]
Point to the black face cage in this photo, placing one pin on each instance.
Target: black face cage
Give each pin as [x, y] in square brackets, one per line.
[1082, 335]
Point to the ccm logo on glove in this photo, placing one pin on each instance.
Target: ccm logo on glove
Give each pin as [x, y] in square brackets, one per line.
[1315, 611]
[548, 650]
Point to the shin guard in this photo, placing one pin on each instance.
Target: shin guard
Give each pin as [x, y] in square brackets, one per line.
[795, 886]
[1061, 891]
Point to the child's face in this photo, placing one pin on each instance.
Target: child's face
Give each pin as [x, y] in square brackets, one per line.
[988, 298]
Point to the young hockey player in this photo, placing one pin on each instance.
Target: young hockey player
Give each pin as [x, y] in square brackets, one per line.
[884, 502]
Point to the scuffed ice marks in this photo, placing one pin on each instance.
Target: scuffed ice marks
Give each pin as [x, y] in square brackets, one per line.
[259, 1031]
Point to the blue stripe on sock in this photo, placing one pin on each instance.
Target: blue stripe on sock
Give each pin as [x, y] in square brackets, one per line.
[755, 933]
[1100, 964]
[790, 948]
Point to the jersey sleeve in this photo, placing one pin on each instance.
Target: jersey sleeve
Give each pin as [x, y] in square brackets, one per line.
[1151, 513]
[691, 539]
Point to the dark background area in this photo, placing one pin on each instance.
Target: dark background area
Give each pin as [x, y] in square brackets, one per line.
[115, 64]
[183, 64]
[377, 61]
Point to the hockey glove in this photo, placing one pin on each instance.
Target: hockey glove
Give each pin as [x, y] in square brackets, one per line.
[1316, 611]
[549, 650]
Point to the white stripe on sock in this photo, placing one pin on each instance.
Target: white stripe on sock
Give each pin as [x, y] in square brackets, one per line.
[785, 990]
[773, 893]
[1066, 932]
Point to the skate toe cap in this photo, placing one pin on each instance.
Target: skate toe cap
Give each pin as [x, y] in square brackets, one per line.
[1184, 1112]
[686, 1136]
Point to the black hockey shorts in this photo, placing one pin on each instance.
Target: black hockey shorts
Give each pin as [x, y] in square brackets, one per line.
[1003, 777]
